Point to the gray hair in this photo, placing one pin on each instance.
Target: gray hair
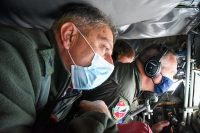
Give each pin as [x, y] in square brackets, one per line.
[169, 62]
[83, 16]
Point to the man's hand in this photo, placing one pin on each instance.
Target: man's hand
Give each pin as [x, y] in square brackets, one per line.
[158, 127]
[98, 105]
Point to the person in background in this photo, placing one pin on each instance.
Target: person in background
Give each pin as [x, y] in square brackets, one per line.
[163, 79]
[128, 80]
[37, 69]
[123, 52]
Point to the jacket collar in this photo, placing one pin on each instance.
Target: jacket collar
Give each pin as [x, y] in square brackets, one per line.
[50, 56]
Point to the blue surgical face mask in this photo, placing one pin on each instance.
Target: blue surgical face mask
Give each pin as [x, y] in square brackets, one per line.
[164, 85]
[87, 78]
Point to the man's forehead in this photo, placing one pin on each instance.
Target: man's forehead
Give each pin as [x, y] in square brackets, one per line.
[105, 30]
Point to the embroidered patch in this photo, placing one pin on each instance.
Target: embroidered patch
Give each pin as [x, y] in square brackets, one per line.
[120, 109]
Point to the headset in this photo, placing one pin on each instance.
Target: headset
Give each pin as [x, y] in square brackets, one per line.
[152, 66]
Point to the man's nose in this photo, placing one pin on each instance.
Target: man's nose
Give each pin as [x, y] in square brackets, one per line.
[108, 58]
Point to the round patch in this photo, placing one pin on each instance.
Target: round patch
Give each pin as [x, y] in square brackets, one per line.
[120, 109]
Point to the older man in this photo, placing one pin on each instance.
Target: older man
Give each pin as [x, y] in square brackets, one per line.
[37, 67]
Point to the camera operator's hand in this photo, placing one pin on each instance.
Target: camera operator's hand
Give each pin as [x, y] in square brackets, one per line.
[98, 106]
[158, 127]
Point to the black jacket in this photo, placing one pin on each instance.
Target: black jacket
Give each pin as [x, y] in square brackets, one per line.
[122, 86]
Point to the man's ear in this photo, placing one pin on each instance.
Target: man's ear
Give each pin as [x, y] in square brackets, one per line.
[67, 32]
